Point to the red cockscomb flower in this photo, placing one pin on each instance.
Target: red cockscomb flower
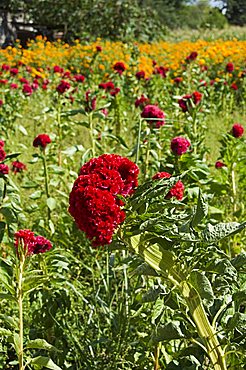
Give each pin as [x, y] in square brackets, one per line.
[63, 86]
[79, 78]
[229, 67]
[98, 48]
[219, 164]
[41, 245]
[18, 167]
[185, 103]
[119, 67]
[142, 101]
[161, 71]
[176, 191]
[179, 145]
[237, 130]
[26, 242]
[234, 86]
[13, 86]
[2, 154]
[192, 56]
[140, 74]
[41, 140]
[178, 80]
[14, 71]
[2, 143]
[27, 89]
[58, 69]
[1, 102]
[153, 112]
[4, 169]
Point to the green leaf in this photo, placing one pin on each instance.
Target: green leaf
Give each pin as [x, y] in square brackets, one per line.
[201, 210]
[168, 332]
[22, 130]
[51, 203]
[16, 338]
[220, 231]
[5, 332]
[203, 286]
[6, 279]
[157, 309]
[40, 344]
[238, 321]
[239, 260]
[144, 269]
[36, 195]
[151, 295]
[45, 361]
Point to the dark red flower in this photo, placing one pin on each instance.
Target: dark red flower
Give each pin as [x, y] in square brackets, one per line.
[4, 169]
[41, 245]
[58, 69]
[234, 86]
[13, 86]
[18, 167]
[63, 86]
[2, 143]
[1, 102]
[161, 71]
[140, 74]
[119, 67]
[5, 67]
[106, 85]
[29, 244]
[2, 154]
[23, 80]
[91, 101]
[14, 71]
[178, 80]
[27, 89]
[98, 48]
[185, 103]
[229, 67]
[192, 56]
[179, 145]
[4, 81]
[151, 112]
[41, 140]
[176, 191]
[142, 102]
[219, 164]
[79, 78]
[237, 130]
[115, 91]
[197, 97]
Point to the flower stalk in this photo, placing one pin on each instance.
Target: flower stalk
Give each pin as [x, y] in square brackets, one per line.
[46, 181]
[20, 307]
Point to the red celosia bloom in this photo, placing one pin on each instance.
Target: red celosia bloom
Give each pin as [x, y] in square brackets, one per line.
[27, 89]
[2, 154]
[34, 85]
[58, 69]
[115, 91]
[161, 71]
[127, 169]
[140, 74]
[4, 169]
[41, 140]
[104, 111]
[23, 80]
[212, 82]
[14, 71]
[63, 86]
[29, 244]
[5, 67]
[234, 86]
[229, 67]
[91, 101]
[79, 78]
[237, 130]
[2, 143]
[152, 111]
[1, 102]
[154, 62]
[4, 81]
[185, 103]
[219, 164]
[197, 97]
[18, 167]
[66, 74]
[176, 191]
[142, 102]
[192, 56]
[98, 48]
[179, 145]
[119, 67]
[13, 86]
[178, 80]
[106, 85]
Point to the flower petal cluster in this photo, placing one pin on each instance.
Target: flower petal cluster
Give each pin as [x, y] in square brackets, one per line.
[18, 167]
[229, 67]
[193, 55]
[152, 111]
[176, 191]
[93, 200]
[29, 244]
[119, 67]
[185, 102]
[219, 164]
[237, 130]
[41, 140]
[4, 169]
[179, 145]
[63, 86]
[142, 101]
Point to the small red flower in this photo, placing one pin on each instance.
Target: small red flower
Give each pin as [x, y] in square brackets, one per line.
[2, 143]
[119, 67]
[29, 244]
[115, 91]
[176, 191]
[140, 75]
[1, 102]
[3, 82]
[58, 69]
[13, 86]
[180, 145]
[18, 167]
[142, 102]
[178, 80]
[14, 71]
[79, 78]
[108, 86]
[237, 130]
[192, 56]
[41, 140]
[4, 169]
[63, 86]
[219, 164]
[229, 67]
[98, 48]
[161, 71]
[5, 67]
[234, 86]
[2, 154]
[27, 89]
[153, 112]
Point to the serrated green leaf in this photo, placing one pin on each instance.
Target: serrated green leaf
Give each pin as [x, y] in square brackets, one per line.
[168, 332]
[5, 332]
[45, 361]
[201, 210]
[40, 344]
[222, 230]
[203, 286]
[36, 195]
[239, 260]
[51, 203]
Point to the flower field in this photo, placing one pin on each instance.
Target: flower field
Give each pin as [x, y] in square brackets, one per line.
[122, 178]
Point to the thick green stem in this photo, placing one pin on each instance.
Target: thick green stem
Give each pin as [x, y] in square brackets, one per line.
[138, 141]
[234, 189]
[91, 134]
[46, 181]
[165, 263]
[59, 133]
[20, 306]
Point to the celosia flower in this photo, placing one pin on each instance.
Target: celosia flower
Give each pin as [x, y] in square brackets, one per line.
[58, 69]
[63, 86]
[98, 48]
[179, 145]
[5, 67]
[234, 86]
[197, 97]
[142, 102]
[219, 164]
[2, 154]
[4, 169]
[237, 130]
[23, 80]
[2, 143]
[3, 82]
[127, 169]
[140, 74]
[115, 91]
[1, 102]
[26, 242]
[18, 167]
[192, 56]
[106, 85]
[176, 191]
[91, 101]
[14, 71]
[178, 80]
[119, 67]
[161, 71]
[185, 102]
[229, 67]
[79, 78]
[41, 140]
[27, 89]
[13, 86]
[153, 112]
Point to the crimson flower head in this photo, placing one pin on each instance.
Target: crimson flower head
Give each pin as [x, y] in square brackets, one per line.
[2, 154]
[119, 67]
[219, 164]
[108, 86]
[178, 80]
[1, 102]
[176, 191]
[98, 48]
[5, 67]
[13, 86]
[2, 143]
[151, 112]
[229, 67]
[27, 89]
[58, 69]
[192, 56]
[4, 169]
[63, 86]
[161, 71]
[237, 130]
[185, 102]
[79, 78]
[41, 140]
[115, 91]
[140, 74]
[14, 71]
[234, 86]
[142, 101]
[179, 145]
[26, 242]
[18, 167]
